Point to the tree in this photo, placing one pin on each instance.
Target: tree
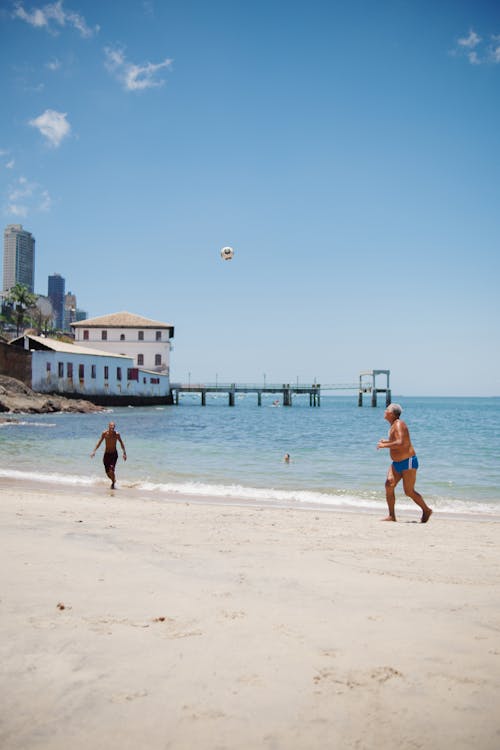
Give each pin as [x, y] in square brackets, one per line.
[22, 300]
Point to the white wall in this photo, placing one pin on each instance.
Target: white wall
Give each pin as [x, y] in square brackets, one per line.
[130, 345]
[49, 381]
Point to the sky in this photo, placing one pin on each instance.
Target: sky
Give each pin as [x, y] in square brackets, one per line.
[347, 151]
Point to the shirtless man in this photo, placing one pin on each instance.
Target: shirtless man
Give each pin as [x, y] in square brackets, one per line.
[110, 457]
[404, 463]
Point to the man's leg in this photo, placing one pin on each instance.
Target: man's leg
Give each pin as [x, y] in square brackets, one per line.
[409, 479]
[390, 485]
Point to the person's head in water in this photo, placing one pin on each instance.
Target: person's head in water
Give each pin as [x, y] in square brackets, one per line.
[287, 458]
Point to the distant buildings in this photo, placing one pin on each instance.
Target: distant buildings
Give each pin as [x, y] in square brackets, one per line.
[18, 257]
[56, 294]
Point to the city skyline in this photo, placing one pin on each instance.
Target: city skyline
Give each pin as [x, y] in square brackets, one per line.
[349, 153]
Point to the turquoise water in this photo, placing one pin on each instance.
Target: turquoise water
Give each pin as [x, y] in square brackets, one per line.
[218, 451]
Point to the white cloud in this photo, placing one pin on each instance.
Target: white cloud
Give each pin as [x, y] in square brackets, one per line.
[53, 14]
[15, 210]
[53, 64]
[478, 51]
[24, 197]
[53, 125]
[10, 164]
[134, 77]
[470, 41]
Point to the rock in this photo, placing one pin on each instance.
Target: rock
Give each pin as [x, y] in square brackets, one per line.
[16, 398]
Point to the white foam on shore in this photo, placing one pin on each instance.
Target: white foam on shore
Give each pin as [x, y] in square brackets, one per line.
[241, 494]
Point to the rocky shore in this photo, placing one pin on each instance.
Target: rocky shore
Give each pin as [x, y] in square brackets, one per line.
[18, 398]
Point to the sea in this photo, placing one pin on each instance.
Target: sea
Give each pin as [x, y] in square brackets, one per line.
[236, 454]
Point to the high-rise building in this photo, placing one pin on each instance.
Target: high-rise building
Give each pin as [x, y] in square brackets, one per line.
[18, 257]
[69, 310]
[56, 294]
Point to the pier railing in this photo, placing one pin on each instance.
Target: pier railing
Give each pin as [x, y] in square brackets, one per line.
[286, 390]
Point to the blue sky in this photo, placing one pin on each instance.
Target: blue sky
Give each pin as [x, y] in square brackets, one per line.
[348, 151]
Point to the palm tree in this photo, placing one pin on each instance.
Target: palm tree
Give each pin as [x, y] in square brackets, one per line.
[22, 299]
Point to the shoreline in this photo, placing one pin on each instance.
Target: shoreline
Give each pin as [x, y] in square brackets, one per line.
[234, 628]
[97, 487]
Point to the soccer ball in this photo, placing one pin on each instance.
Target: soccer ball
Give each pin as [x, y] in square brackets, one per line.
[227, 253]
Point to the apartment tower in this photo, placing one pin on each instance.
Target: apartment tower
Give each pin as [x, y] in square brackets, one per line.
[18, 257]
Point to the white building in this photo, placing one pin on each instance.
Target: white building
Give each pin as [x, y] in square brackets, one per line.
[102, 377]
[146, 341]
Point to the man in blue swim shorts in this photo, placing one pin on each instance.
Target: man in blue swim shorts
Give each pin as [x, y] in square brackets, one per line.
[404, 463]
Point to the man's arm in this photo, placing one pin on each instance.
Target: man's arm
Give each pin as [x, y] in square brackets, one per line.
[97, 446]
[118, 437]
[396, 439]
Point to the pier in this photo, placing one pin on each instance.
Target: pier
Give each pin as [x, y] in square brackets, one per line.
[368, 385]
[286, 391]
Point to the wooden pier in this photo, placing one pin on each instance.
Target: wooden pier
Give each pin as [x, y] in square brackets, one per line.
[285, 390]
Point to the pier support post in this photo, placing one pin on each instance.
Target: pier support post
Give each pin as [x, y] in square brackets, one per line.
[374, 397]
[259, 398]
[360, 398]
[388, 397]
[203, 398]
[231, 397]
[177, 397]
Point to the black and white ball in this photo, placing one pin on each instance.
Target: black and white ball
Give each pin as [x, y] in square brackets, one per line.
[227, 253]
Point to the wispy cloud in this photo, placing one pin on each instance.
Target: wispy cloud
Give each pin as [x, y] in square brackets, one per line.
[53, 16]
[53, 64]
[134, 77]
[24, 197]
[53, 126]
[478, 50]
[4, 153]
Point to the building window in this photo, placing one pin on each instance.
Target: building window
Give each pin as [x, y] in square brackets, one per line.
[93, 372]
[69, 370]
[158, 335]
[122, 337]
[104, 335]
[60, 369]
[48, 367]
[106, 372]
[118, 373]
[140, 335]
[85, 335]
[154, 381]
[81, 372]
[133, 373]
[140, 359]
[157, 359]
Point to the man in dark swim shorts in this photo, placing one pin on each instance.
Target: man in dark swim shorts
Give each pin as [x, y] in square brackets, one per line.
[404, 463]
[111, 437]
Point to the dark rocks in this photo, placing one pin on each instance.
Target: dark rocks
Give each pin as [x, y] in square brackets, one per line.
[17, 398]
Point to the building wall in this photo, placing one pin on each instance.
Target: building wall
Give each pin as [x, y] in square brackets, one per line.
[15, 362]
[130, 345]
[18, 257]
[47, 367]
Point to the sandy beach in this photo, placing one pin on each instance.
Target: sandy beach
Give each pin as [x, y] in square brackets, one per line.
[127, 622]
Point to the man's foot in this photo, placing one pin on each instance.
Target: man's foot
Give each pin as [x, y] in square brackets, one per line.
[426, 514]
[389, 518]
[112, 485]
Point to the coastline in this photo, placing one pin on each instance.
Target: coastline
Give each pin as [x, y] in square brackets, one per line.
[188, 623]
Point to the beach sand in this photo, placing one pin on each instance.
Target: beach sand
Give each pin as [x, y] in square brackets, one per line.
[129, 622]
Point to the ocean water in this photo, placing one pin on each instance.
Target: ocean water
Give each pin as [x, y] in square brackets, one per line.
[222, 452]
